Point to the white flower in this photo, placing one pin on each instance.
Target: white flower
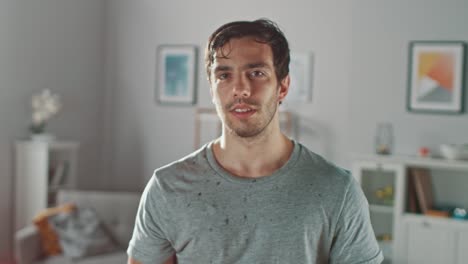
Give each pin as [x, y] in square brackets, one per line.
[45, 105]
[38, 118]
[36, 102]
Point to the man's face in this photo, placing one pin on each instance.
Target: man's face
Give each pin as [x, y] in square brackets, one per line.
[244, 86]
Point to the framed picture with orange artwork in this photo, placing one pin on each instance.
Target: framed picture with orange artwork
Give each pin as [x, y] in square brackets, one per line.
[436, 77]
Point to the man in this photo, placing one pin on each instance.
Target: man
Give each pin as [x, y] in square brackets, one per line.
[252, 195]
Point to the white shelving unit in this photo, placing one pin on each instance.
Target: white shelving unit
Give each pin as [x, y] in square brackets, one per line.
[415, 238]
[41, 169]
[374, 175]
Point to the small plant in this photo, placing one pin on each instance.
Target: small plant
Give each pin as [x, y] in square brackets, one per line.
[385, 194]
[44, 106]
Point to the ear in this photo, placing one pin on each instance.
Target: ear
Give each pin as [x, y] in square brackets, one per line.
[284, 87]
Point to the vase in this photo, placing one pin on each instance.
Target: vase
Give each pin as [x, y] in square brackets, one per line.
[42, 137]
[384, 139]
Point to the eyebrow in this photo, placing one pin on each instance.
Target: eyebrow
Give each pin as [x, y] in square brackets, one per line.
[256, 65]
[247, 66]
[222, 68]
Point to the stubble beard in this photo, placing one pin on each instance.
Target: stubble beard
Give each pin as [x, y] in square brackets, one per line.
[249, 129]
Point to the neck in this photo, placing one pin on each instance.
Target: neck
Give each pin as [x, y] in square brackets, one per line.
[253, 157]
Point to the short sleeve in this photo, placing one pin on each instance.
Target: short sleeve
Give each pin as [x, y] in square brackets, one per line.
[149, 243]
[354, 239]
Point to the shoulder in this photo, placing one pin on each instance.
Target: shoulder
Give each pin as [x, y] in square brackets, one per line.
[323, 172]
[180, 172]
[338, 189]
[189, 162]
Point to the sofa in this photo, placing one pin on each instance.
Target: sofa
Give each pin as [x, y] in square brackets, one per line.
[116, 210]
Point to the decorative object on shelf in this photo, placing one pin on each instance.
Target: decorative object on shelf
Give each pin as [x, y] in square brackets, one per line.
[454, 151]
[460, 213]
[384, 138]
[176, 74]
[424, 152]
[437, 213]
[384, 237]
[45, 105]
[385, 195]
[436, 76]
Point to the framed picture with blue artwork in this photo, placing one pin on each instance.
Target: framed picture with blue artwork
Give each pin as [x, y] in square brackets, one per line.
[300, 72]
[436, 77]
[176, 72]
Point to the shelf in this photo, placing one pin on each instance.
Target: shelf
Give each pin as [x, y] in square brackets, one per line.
[64, 145]
[387, 209]
[424, 219]
[55, 145]
[417, 161]
[37, 173]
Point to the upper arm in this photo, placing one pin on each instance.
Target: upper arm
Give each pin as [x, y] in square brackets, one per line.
[354, 239]
[149, 243]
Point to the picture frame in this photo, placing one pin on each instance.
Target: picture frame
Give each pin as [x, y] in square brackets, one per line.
[300, 72]
[436, 76]
[176, 74]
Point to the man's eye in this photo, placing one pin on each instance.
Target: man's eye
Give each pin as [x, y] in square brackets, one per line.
[257, 74]
[222, 76]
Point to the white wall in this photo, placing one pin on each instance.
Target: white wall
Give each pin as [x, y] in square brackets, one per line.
[56, 44]
[359, 78]
[145, 135]
[381, 31]
[360, 66]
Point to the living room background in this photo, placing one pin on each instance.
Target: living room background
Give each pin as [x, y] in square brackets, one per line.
[100, 57]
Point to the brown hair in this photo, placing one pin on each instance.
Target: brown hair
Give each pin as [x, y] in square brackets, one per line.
[263, 31]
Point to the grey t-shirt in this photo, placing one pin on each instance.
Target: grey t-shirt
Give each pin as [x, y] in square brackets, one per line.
[308, 211]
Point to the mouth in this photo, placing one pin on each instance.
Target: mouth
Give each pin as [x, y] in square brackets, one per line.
[242, 111]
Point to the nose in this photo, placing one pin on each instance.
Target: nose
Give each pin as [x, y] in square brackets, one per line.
[241, 87]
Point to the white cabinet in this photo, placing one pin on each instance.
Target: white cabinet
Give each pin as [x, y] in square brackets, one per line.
[435, 240]
[429, 242]
[406, 236]
[462, 246]
[41, 169]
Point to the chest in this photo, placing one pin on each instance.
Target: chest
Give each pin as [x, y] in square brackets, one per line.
[249, 220]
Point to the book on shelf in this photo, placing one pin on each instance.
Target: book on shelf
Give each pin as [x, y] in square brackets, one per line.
[59, 174]
[422, 185]
[412, 205]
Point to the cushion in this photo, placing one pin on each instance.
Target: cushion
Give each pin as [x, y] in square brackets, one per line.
[50, 245]
[111, 258]
[81, 233]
